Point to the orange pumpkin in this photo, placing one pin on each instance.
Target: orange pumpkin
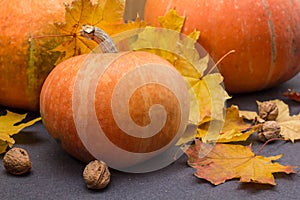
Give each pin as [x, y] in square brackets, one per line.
[109, 106]
[265, 35]
[25, 62]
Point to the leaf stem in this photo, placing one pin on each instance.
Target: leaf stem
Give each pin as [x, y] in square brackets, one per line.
[220, 60]
[267, 142]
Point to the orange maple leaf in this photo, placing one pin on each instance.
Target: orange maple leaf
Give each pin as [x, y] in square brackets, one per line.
[226, 162]
[107, 15]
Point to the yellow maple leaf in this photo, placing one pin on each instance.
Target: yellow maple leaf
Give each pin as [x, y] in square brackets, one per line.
[234, 129]
[8, 128]
[208, 94]
[172, 20]
[225, 162]
[107, 15]
[251, 116]
[206, 91]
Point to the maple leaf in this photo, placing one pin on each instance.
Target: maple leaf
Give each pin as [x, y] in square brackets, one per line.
[251, 116]
[225, 162]
[207, 94]
[234, 129]
[289, 125]
[8, 128]
[172, 20]
[107, 15]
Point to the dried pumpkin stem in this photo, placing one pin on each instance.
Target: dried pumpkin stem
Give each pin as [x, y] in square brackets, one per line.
[98, 35]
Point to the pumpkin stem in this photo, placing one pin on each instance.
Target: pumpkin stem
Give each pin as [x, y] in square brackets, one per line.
[102, 38]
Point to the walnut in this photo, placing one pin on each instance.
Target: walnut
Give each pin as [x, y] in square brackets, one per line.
[16, 161]
[96, 175]
[268, 110]
[269, 130]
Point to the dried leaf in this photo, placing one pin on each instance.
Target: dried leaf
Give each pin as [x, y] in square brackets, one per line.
[225, 162]
[206, 91]
[209, 93]
[172, 21]
[107, 15]
[292, 95]
[8, 128]
[235, 129]
[251, 116]
[290, 125]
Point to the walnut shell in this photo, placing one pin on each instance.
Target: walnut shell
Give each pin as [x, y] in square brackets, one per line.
[16, 161]
[269, 130]
[96, 175]
[268, 110]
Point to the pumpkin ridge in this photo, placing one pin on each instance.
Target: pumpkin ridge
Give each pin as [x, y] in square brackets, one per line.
[273, 41]
[264, 34]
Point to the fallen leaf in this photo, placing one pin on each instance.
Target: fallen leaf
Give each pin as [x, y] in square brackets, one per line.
[251, 116]
[107, 15]
[289, 125]
[292, 95]
[8, 128]
[234, 129]
[225, 162]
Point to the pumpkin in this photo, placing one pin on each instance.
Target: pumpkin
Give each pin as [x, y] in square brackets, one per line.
[122, 108]
[264, 34]
[25, 62]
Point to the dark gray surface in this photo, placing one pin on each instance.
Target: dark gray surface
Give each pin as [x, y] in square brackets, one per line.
[56, 175]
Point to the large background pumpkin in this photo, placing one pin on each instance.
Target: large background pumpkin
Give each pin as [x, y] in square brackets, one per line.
[25, 62]
[25, 50]
[265, 35]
